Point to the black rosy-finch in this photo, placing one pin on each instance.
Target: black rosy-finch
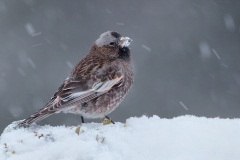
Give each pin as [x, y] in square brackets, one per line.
[97, 84]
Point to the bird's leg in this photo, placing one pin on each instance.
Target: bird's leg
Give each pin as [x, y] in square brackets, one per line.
[107, 120]
[82, 119]
[78, 127]
[110, 119]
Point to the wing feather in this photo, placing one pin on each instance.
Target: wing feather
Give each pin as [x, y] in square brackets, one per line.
[85, 96]
[96, 78]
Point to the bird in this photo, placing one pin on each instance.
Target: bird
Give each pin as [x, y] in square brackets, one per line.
[96, 85]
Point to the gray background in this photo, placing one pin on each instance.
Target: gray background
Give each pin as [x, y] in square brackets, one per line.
[185, 54]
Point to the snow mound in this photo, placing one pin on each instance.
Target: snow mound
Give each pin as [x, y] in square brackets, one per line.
[181, 138]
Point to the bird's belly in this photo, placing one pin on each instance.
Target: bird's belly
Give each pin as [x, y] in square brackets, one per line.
[101, 106]
[92, 112]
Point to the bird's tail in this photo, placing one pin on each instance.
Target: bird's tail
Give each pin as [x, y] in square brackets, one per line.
[38, 116]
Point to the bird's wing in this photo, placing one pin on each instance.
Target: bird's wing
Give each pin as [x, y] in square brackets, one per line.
[76, 96]
[91, 78]
[97, 89]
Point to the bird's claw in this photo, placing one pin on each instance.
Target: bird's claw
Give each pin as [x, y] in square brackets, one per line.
[77, 130]
[106, 121]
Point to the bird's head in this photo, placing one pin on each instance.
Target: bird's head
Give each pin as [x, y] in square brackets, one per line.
[113, 45]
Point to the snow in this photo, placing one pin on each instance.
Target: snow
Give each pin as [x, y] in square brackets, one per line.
[21, 72]
[15, 111]
[37, 44]
[69, 64]
[30, 61]
[120, 24]
[181, 138]
[229, 22]
[224, 65]
[204, 50]
[183, 105]
[146, 48]
[126, 41]
[108, 11]
[217, 55]
[3, 7]
[30, 30]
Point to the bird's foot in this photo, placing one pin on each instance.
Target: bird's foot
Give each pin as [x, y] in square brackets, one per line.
[106, 120]
[77, 130]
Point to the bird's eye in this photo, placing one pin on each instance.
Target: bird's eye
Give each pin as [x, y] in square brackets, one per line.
[112, 43]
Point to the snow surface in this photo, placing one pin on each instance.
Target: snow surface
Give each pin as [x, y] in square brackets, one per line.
[181, 138]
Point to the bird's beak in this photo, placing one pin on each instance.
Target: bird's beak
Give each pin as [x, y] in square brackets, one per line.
[125, 41]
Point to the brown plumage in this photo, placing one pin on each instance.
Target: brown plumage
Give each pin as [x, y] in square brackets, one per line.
[97, 84]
